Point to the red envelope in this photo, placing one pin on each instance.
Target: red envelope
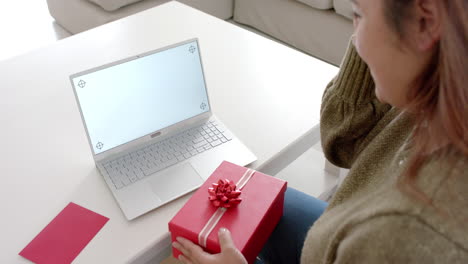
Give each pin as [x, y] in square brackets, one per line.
[65, 236]
[250, 222]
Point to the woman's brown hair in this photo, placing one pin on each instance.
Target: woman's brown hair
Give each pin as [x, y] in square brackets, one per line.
[439, 101]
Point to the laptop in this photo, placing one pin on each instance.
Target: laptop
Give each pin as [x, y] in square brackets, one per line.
[150, 126]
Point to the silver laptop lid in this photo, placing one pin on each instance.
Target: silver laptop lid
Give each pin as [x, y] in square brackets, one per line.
[136, 99]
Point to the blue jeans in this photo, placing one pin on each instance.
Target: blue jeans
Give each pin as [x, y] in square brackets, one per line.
[286, 242]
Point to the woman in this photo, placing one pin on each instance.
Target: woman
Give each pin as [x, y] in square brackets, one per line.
[396, 115]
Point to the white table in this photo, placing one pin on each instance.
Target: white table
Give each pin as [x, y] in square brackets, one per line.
[267, 94]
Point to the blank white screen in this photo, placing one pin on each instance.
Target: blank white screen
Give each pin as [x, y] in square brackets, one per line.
[133, 99]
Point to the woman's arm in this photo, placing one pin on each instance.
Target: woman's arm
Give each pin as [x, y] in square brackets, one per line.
[350, 111]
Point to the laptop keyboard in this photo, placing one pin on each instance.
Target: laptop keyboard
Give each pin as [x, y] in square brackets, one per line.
[135, 166]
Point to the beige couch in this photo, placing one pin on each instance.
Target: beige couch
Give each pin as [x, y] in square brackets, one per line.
[318, 27]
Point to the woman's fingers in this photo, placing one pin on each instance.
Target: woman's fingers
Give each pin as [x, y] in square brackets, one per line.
[188, 248]
[193, 253]
[179, 247]
[225, 240]
[229, 252]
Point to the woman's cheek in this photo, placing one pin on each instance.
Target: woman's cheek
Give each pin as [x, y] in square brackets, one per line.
[357, 41]
[358, 44]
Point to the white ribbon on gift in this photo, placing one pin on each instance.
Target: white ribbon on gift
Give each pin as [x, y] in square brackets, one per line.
[213, 221]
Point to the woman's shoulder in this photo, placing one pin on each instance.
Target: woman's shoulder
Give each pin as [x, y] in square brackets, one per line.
[398, 238]
[398, 224]
[445, 181]
[381, 224]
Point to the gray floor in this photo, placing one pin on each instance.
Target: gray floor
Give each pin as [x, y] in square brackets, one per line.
[307, 173]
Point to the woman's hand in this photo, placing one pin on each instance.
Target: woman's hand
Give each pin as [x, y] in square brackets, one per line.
[194, 254]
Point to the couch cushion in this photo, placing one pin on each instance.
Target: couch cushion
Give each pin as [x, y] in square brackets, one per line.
[343, 7]
[111, 5]
[321, 33]
[319, 4]
[80, 15]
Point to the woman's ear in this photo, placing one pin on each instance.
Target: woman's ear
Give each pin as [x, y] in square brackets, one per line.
[426, 31]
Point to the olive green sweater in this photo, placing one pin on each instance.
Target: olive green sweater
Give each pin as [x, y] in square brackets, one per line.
[369, 220]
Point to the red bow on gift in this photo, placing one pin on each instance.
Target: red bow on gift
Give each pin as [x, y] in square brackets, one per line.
[224, 194]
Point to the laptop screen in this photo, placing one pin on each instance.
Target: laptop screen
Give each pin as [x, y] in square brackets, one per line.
[129, 100]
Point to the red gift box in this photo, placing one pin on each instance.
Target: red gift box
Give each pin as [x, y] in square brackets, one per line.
[250, 222]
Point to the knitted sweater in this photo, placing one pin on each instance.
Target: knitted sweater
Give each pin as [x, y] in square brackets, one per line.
[369, 220]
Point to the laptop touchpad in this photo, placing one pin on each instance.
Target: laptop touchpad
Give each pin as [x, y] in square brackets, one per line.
[176, 181]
